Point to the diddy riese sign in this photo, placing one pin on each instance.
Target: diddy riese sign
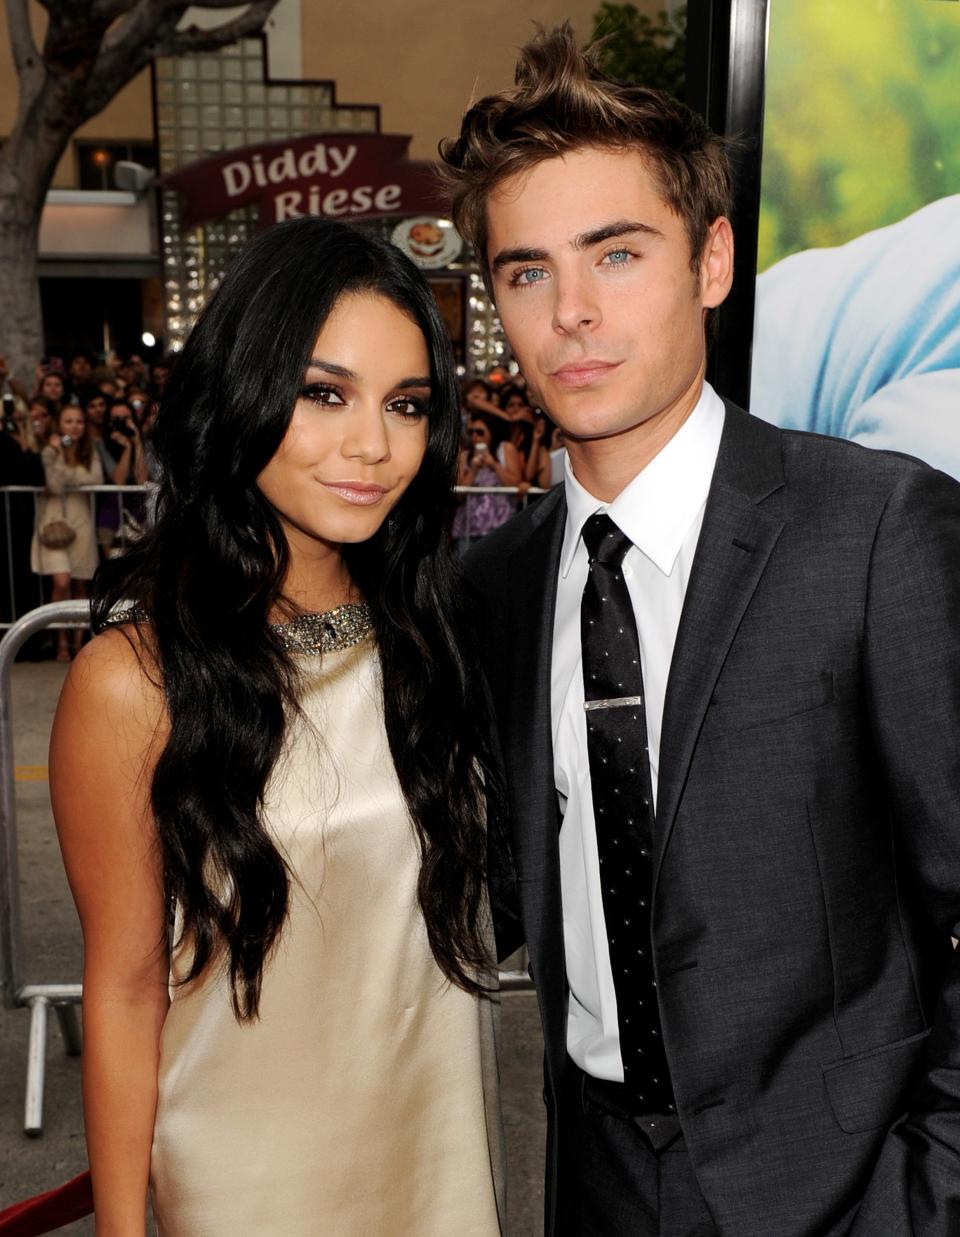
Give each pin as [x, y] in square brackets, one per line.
[340, 176]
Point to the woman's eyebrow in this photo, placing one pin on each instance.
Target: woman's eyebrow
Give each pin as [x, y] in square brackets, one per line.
[330, 367]
[406, 383]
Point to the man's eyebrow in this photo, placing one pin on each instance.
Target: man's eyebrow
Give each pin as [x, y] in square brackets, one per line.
[596, 236]
[609, 231]
[506, 256]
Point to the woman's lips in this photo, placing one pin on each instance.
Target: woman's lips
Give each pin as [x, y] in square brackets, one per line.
[583, 373]
[356, 492]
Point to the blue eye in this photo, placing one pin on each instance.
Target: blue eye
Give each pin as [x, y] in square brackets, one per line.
[527, 276]
[617, 257]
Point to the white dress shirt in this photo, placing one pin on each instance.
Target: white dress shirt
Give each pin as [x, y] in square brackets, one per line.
[661, 511]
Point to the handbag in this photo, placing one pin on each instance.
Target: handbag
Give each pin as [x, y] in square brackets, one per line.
[57, 534]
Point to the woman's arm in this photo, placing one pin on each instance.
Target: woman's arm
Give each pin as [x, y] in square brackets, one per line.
[108, 731]
[54, 466]
[139, 461]
[510, 472]
[121, 470]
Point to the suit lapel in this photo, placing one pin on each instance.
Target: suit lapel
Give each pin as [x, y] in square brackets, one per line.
[735, 544]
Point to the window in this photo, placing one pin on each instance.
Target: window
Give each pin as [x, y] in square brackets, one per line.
[96, 160]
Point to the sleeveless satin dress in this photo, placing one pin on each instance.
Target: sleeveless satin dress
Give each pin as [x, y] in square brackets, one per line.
[362, 1102]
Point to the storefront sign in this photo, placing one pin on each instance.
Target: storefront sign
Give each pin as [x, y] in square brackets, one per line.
[342, 176]
[429, 242]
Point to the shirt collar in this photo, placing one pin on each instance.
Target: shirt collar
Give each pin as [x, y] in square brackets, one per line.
[659, 506]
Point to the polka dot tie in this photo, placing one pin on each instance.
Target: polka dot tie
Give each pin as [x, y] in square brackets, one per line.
[623, 807]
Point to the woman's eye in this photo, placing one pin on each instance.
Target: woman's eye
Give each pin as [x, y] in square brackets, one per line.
[408, 408]
[326, 397]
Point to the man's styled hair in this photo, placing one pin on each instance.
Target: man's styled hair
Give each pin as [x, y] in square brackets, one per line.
[562, 102]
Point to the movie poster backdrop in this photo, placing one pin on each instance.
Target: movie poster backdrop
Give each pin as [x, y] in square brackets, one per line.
[857, 311]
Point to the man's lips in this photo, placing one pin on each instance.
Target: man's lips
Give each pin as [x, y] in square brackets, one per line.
[583, 373]
[361, 493]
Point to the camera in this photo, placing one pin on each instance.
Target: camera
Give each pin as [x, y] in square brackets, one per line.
[9, 424]
[120, 426]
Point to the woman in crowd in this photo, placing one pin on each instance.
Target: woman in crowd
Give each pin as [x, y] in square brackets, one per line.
[64, 543]
[281, 746]
[489, 459]
[52, 388]
[529, 434]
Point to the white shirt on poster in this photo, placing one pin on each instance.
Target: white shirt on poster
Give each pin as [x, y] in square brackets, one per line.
[661, 511]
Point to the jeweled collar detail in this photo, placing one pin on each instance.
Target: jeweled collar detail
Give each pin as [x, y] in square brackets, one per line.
[327, 632]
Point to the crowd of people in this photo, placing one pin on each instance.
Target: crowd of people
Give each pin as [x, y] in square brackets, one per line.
[79, 424]
[86, 423]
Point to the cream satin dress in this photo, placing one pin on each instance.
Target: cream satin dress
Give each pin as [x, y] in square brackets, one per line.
[362, 1102]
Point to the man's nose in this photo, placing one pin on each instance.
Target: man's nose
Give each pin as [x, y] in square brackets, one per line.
[575, 305]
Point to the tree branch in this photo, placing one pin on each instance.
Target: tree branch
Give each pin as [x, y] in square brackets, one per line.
[195, 39]
[25, 51]
[149, 29]
[110, 10]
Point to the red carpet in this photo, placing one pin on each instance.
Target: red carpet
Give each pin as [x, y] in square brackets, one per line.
[50, 1211]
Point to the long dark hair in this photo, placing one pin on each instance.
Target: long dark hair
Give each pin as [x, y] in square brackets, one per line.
[212, 567]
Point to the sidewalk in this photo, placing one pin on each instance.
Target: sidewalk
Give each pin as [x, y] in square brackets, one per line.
[52, 950]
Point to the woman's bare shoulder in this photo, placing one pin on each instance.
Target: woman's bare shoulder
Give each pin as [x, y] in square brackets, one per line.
[115, 680]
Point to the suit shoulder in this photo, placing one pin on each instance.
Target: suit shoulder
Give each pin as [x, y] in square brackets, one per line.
[837, 463]
[485, 559]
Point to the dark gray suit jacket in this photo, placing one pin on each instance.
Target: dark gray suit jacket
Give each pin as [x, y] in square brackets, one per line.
[808, 832]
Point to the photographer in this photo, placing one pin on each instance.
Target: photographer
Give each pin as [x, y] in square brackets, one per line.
[64, 545]
[125, 444]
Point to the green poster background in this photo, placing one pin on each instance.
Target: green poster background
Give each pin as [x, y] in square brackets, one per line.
[857, 312]
[862, 118]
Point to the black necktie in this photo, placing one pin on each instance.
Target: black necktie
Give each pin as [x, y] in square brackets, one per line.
[623, 807]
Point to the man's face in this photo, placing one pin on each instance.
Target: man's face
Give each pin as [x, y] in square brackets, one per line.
[593, 281]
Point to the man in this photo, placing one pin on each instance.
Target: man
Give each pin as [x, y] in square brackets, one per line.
[724, 663]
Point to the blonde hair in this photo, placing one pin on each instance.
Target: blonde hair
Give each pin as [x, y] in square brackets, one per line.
[563, 102]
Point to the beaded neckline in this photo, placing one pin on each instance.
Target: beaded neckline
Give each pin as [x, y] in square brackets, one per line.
[328, 632]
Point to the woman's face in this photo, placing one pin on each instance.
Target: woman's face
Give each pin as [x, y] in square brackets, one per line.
[52, 387]
[359, 429]
[40, 420]
[71, 422]
[479, 432]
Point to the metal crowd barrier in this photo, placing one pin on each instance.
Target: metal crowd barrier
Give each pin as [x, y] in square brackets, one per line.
[125, 530]
[17, 993]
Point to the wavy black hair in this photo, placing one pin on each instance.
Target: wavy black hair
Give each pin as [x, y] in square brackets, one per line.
[211, 569]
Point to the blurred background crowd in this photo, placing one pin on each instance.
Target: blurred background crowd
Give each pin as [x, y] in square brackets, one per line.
[76, 467]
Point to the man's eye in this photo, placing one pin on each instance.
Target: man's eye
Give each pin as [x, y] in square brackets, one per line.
[617, 257]
[527, 276]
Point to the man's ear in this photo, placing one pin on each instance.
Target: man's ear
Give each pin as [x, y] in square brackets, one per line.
[716, 264]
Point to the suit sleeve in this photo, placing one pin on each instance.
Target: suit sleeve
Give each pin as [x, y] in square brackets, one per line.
[911, 661]
[501, 875]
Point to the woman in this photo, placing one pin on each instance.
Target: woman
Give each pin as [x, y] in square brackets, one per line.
[69, 462]
[490, 459]
[281, 745]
